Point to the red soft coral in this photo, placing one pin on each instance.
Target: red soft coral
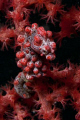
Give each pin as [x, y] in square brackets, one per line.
[5, 36]
[67, 25]
[45, 89]
[5, 4]
[13, 107]
[53, 9]
[76, 17]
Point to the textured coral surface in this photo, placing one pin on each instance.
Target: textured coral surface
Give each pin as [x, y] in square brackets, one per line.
[39, 60]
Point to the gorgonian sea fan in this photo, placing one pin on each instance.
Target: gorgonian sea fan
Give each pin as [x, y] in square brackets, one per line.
[44, 88]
